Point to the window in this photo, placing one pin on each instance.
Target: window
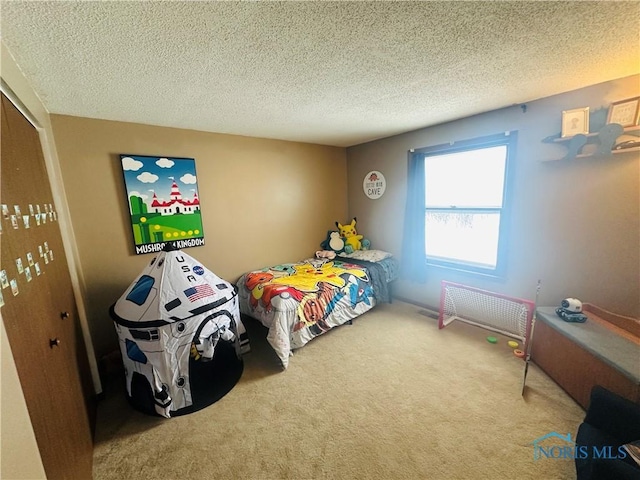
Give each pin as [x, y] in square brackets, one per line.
[465, 192]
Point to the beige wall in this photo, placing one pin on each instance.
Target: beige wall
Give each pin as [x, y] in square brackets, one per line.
[575, 224]
[263, 202]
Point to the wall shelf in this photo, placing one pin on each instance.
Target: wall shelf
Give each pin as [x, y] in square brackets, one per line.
[614, 152]
[601, 143]
[626, 150]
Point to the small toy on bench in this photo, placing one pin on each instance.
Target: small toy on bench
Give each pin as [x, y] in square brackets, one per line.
[570, 310]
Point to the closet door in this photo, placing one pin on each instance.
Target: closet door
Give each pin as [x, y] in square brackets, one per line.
[39, 310]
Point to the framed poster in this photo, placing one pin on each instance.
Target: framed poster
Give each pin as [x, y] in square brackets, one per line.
[162, 195]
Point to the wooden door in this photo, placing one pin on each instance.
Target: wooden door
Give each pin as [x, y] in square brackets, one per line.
[39, 310]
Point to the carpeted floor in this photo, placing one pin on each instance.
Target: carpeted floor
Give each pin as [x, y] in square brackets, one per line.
[389, 397]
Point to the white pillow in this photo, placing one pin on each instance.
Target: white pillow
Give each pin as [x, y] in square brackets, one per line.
[368, 255]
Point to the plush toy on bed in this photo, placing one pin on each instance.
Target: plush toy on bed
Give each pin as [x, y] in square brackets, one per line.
[352, 240]
[333, 242]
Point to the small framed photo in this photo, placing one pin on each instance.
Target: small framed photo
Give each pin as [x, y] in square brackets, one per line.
[575, 122]
[625, 112]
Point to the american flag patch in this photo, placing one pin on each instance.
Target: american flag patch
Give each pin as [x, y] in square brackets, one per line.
[198, 292]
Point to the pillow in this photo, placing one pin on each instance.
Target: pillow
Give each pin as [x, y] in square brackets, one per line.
[368, 255]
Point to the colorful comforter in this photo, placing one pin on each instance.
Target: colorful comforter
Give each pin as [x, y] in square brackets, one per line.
[299, 301]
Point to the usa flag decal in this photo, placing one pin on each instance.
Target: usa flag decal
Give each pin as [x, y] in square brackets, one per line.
[198, 292]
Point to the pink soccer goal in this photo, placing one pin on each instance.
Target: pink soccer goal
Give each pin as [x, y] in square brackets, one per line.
[493, 311]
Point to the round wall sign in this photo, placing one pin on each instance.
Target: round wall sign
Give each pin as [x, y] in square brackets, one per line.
[374, 184]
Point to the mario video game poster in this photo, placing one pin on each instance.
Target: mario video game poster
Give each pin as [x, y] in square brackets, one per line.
[162, 194]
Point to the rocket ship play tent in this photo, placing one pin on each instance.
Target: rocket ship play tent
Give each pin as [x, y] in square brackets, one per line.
[181, 336]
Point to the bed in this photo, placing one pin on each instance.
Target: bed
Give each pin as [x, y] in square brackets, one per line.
[300, 301]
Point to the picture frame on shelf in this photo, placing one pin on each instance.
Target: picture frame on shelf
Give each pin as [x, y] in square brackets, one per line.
[625, 112]
[575, 122]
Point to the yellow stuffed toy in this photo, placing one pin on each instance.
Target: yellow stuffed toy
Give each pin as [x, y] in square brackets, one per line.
[350, 235]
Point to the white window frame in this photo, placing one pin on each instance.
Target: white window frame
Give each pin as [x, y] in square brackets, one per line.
[508, 139]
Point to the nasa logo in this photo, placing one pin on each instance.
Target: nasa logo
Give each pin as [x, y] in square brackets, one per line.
[198, 270]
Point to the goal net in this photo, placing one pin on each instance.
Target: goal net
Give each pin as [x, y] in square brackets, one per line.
[489, 310]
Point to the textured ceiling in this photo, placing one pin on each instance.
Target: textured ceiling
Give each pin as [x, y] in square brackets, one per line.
[335, 73]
